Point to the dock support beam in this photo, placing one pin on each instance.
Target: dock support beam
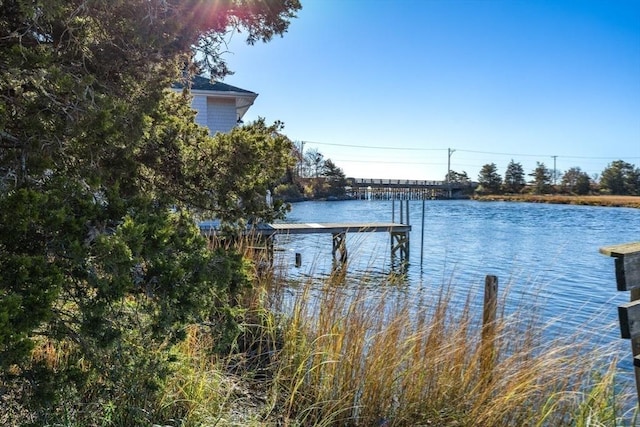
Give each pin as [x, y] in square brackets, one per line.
[400, 247]
[339, 249]
[261, 245]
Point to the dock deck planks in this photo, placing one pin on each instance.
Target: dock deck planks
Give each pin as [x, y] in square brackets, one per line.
[333, 228]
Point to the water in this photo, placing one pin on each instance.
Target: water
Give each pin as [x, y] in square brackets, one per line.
[544, 253]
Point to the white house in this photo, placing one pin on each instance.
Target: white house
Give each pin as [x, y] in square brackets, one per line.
[219, 106]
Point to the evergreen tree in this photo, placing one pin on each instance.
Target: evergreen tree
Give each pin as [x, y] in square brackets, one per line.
[101, 172]
[335, 179]
[576, 181]
[622, 178]
[489, 178]
[514, 180]
[541, 179]
[458, 177]
[583, 184]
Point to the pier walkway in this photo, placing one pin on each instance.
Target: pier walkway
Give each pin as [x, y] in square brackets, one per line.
[399, 235]
[406, 189]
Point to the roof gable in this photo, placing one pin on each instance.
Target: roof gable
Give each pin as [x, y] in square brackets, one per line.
[203, 87]
[205, 84]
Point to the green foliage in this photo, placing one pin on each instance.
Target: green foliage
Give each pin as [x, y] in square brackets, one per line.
[621, 178]
[102, 171]
[246, 162]
[583, 184]
[458, 177]
[599, 405]
[541, 179]
[288, 192]
[576, 181]
[489, 178]
[313, 177]
[335, 179]
[514, 180]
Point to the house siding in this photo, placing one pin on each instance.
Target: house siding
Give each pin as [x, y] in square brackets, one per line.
[199, 104]
[218, 105]
[220, 114]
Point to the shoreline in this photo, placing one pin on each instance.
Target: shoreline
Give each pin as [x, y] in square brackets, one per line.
[600, 200]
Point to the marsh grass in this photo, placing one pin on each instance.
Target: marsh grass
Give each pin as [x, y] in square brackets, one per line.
[353, 355]
[367, 352]
[357, 363]
[588, 200]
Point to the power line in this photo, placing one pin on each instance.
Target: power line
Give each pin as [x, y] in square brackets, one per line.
[388, 161]
[501, 154]
[544, 155]
[456, 166]
[441, 164]
[376, 147]
[468, 151]
[599, 158]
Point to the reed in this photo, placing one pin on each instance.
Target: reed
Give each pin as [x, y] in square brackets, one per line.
[363, 353]
[350, 357]
[368, 353]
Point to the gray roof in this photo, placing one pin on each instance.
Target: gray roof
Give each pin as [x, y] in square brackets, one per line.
[204, 83]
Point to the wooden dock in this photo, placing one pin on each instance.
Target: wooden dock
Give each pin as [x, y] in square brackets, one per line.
[328, 227]
[399, 236]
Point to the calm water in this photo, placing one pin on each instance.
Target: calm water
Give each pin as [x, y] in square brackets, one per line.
[541, 252]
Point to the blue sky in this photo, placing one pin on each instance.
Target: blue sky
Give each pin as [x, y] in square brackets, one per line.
[384, 88]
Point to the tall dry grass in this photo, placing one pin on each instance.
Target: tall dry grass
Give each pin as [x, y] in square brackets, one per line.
[589, 200]
[374, 353]
[353, 357]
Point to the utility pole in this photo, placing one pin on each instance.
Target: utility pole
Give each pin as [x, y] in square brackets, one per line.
[554, 169]
[301, 161]
[449, 153]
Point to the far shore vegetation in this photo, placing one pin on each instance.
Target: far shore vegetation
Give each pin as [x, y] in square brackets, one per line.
[315, 178]
[567, 199]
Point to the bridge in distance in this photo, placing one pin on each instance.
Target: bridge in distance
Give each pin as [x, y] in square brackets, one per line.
[407, 189]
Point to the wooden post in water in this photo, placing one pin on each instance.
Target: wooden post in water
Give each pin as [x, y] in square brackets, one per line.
[393, 220]
[627, 267]
[339, 249]
[393, 209]
[401, 213]
[422, 235]
[489, 315]
[407, 204]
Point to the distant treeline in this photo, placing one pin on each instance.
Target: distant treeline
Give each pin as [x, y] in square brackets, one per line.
[618, 178]
[314, 177]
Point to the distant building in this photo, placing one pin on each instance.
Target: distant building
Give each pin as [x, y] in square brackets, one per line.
[219, 106]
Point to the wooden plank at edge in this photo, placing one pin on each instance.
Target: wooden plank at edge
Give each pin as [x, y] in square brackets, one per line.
[628, 272]
[636, 361]
[621, 250]
[629, 316]
[320, 228]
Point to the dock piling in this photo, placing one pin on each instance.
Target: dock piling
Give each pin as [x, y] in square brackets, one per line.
[627, 272]
[422, 235]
